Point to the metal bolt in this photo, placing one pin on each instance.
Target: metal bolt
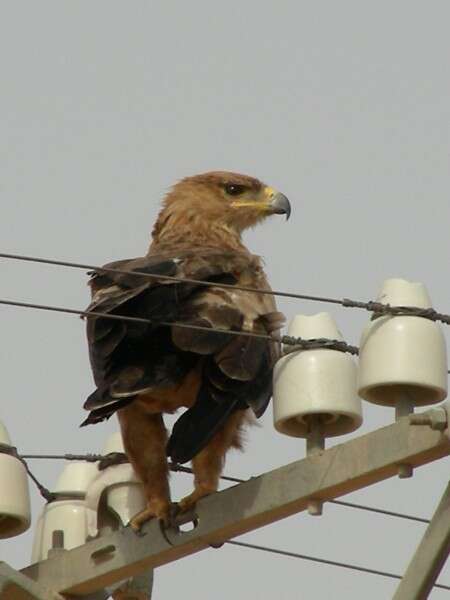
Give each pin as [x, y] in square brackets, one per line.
[315, 508]
[315, 444]
[436, 418]
[405, 471]
[403, 408]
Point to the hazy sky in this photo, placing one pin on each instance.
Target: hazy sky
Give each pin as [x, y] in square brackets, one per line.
[343, 106]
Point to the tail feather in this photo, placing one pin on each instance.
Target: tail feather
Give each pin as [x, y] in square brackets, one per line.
[105, 412]
[195, 428]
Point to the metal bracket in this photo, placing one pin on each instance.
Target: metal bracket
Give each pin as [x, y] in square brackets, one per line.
[16, 586]
[275, 495]
[430, 556]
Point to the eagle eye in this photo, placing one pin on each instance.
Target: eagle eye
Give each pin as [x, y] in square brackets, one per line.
[234, 189]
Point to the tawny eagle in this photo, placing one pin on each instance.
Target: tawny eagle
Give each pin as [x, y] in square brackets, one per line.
[145, 369]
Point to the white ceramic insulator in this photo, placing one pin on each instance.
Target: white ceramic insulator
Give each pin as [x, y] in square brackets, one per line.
[4, 435]
[120, 487]
[36, 548]
[75, 478]
[113, 443]
[15, 511]
[319, 382]
[124, 495]
[126, 500]
[68, 516]
[403, 358]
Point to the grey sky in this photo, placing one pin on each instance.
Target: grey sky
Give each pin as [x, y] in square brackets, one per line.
[343, 106]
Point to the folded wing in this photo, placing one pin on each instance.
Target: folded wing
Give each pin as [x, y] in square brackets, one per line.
[130, 358]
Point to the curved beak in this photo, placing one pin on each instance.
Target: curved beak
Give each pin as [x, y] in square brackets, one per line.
[280, 205]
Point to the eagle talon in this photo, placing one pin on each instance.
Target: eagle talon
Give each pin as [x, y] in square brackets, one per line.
[164, 516]
[137, 529]
[189, 502]
[170, 522]
[174, 511]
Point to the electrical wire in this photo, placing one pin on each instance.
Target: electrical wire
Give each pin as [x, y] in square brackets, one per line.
[380, 511]
[373, 509]
[325, 561]
[372, 306]
[98, 457]
[83, 457]
[376, 307]
[296, 342]
[284, 339]
[182, 469]
[44, 492]
[49, 496]
[84, 313]
[74, 265]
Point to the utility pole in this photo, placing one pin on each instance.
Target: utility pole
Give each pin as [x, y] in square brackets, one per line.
[430, 556]
[322, 476]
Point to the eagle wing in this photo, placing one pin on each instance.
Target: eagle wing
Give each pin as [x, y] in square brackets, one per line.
[130, 358]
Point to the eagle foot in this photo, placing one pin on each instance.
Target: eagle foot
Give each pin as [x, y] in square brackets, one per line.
[188, 502]
[165, 513]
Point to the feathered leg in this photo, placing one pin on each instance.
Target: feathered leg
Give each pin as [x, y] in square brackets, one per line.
[145, 438]
[209, 462]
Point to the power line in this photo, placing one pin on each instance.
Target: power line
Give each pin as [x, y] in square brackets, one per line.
[83, 457]
[287, 340]
[84, 313]
[12, 451]
[49, 496]
[230, 520]
[325, 561]
[74, 265]
[380, 511]
[284, 339]
[182, 469]
[376, 307]
[373, 509]
[44, 492]
[98, 457]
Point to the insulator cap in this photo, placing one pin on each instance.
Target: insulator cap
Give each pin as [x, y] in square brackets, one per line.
[320, 382]
[403, 356]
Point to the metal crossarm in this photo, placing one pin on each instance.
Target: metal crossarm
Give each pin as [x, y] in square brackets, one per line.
[259, 501]
[15, 586]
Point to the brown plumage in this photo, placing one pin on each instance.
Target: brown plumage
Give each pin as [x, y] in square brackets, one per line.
[143, 371]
